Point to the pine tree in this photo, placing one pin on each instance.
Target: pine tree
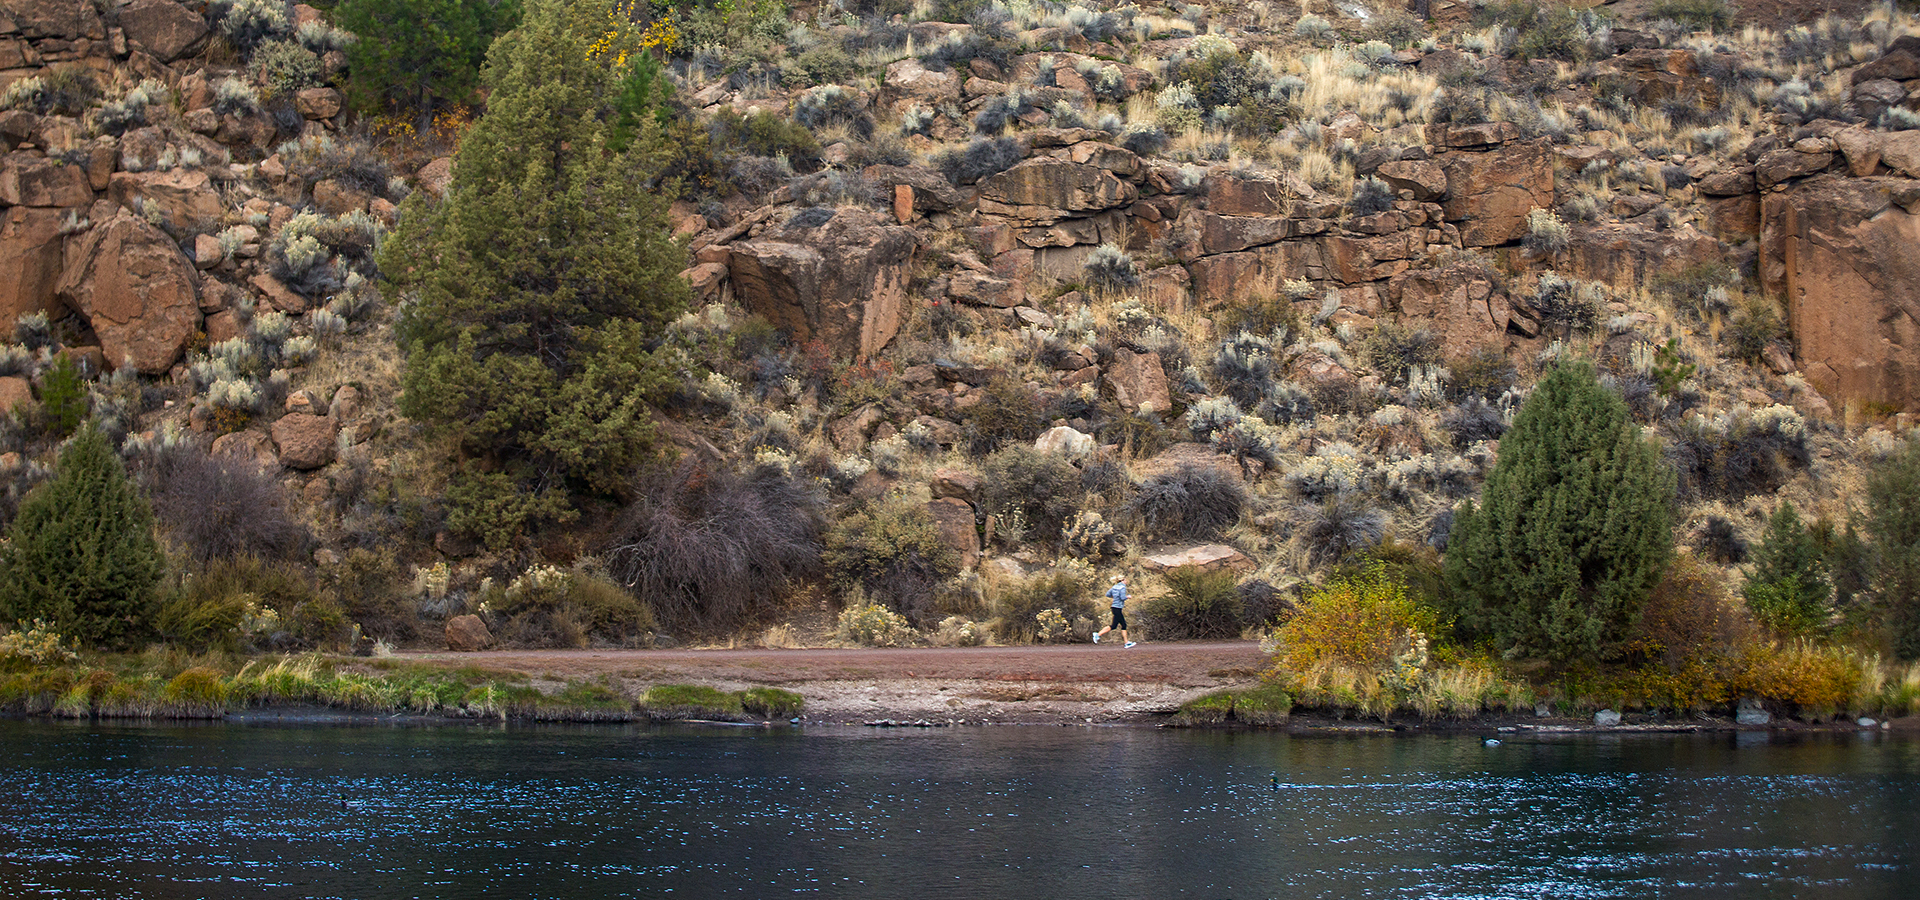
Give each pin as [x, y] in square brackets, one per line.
[533, 292]
[81, 554]
[1573, 530]
[1788, 589]
[1893, 522]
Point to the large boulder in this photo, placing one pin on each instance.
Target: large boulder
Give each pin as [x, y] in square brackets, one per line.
[1422, 179]
[1489, 194]
[1064, 440]
[29, 179]
[163, 28]
[908, 82]
[59, 19]
[1139, 384]
[136, 291]
[1043, 190]
[953, 518]
[844, 281]
[305, 441]
[30, 242]
[1841, 251]
[468, 633]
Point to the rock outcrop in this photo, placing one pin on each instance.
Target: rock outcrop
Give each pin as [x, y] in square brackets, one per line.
[1841, 251]
[843, 281]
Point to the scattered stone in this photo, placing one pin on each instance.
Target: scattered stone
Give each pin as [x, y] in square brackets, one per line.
[466, 634]
[954, 519]
[954, 483]
[1606, 718]
[1061, 440]
[1751, 713]
[15, 392]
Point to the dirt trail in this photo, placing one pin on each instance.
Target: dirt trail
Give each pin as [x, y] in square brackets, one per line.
[1074, 683]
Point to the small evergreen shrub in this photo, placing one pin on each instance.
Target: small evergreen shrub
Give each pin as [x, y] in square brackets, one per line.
[1111, 268]
[871, 625]
[982, 158]
[1370, 196]
[1197, 606]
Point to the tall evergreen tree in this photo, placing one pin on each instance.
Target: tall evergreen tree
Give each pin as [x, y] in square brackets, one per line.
[81, 554]
[531, 294]
[1788, 589]
[1893, 522]
[1573, 530]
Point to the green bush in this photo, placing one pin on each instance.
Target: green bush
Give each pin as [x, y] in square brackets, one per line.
[198, 688]
[872, 625]
[1704, 15]
[551, 607]
[1210, 709]
[1197, 606]
[1265, 705]
[1573, 529]
[892, 551]
[1893, 522]
[81, 553]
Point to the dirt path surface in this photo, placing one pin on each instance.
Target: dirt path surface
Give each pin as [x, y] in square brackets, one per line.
[1075, 683]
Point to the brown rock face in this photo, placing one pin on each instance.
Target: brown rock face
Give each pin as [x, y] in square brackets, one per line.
[15, 392]
[66, 19]
[1043, 191]
[136, 291]
[1459, 303]
[1423, 177]
[186, 198]
[1489, 194]
[29, 261]
[29, 179]
[1841, 252]
[164, 28]
[465, 634]
[843, 282]
[1247, 194]
[953, 518]
[305, 440]
[955, 483]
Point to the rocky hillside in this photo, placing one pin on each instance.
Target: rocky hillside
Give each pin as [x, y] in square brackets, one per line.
[1256, 286]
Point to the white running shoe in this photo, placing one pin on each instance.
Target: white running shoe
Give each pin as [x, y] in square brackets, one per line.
[1096, 637]
[1130, 644]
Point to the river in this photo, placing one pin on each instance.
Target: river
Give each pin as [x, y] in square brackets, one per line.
[370, 811]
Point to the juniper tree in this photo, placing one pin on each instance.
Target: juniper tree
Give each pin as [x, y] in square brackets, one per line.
[81, 553]
[411, 56]
[1788, 589]
[1893, 522]
[1573, 529]
[532, 294]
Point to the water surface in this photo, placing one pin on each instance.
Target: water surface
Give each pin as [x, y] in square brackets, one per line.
[369, 811]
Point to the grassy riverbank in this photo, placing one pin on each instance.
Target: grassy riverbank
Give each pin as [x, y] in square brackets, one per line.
[165, 684]
[1798, 681]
